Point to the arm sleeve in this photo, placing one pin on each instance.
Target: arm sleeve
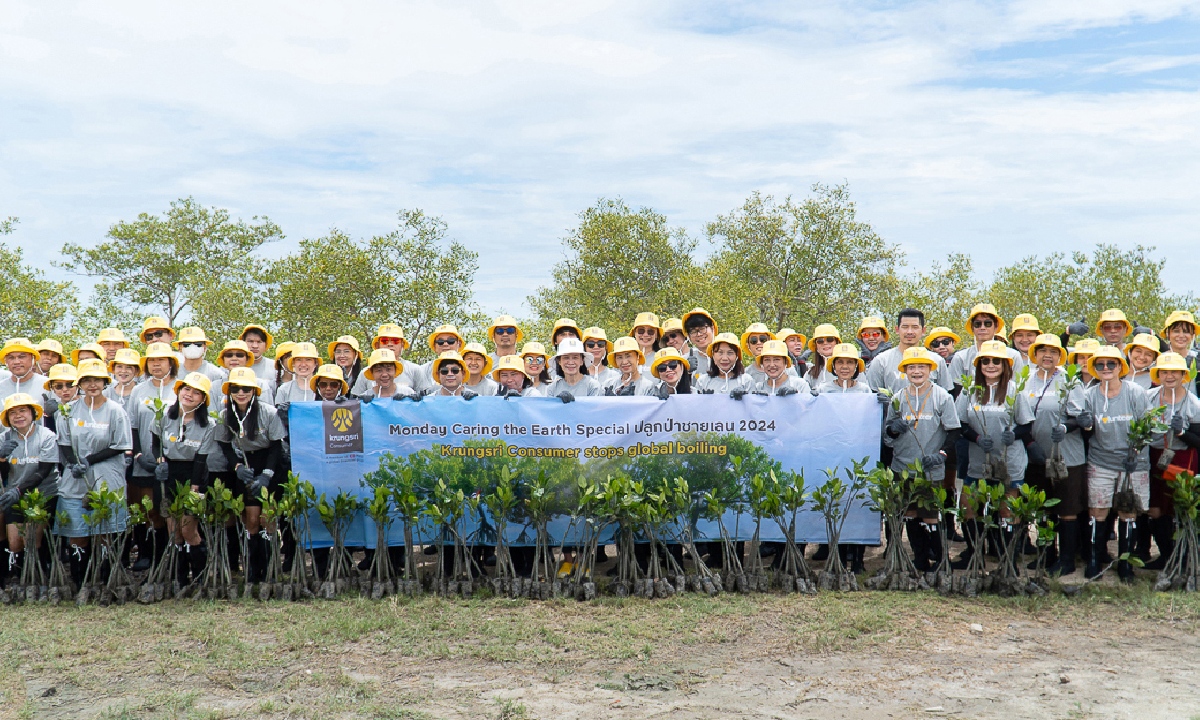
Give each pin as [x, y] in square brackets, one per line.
[200, 471]
[230, 456]
[1191, 438]
[156, 446]
[102, 455]
[36, 477]
[1024, 432]
[68, 454]
[274, 455]
[951, 438]
[969, 433]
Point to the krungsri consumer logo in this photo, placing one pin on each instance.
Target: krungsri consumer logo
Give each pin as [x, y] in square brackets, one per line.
[342, 419]
[343, 428]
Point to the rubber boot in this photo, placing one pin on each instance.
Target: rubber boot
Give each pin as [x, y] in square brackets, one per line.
[1106, 534]
[1141, 546]
[935, 544]
[994, 538]
[234, 543]
[80, 556]
[1095, 546]
[822, 553]
[197, 558]
[320, 562]
[971, 531]
[1068, 536]
[1126, 540]
[952, 533]
[918, 540]
[1163, 531]
[143, 538]
[256, 564]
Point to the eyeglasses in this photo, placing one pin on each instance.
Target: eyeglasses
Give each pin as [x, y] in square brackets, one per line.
[941, 342]
[446, 341]
[593, 344]
[872, 334]
[328, 384]
[983, 323]
[60, 386]
[235, 355]
[669, 365]
[505, 331]
[535, 360]
[825, 340]
[1107, 365]
[699, 329]
[645, 331]
[990, 361]
[449, 370]
[756, 339]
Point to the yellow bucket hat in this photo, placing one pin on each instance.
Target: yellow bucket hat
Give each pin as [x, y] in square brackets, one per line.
[671, 325]
[567, 323]
[623, 345]
[328, 372]
[191, 334]
[646, 319]
[823, 331]
[509, 362]
[478, 349]
[241, 377]
[1113, 315]
[112, 335]
[230, 347]
[1107, 352]
[389, 330]
[52, 345]
[127, 356]
[774, 348]
[727, 338]
[17, 400]
[597, 333]
[381, 356]
[155, 323]
[1145, 340]
[62, 372]
[450, 356]
[917, 356]
[754, 329]
[90, 347]
[197, 381]
[848, 351]
[533, 347]
[984, 309]
[1168, 361]
[282, 350]
[303, 350]
[940, 332]
[1086, 346]
[1181, 316]
[785, 333]
[504, 321]
[159, 350]
[993, 349]
[270, 338]
[20, 344]
[699, 312]
[347, 340]
[92, 368]
[1025, 321]
[667, 354]
[873, 323]
[444, 330]
[1047, 340]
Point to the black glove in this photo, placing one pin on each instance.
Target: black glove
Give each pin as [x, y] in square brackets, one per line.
[282, 409]
[933, 461]
[1058, 433]
[1008, 437]
[1130, 463]
[128, 459]
[339, 400]
[737, 394]
[897, 426]
[146, 462]
[1177, 424]
[162, 472]
[705, 392]
[881, 398]
[1078, 328]
[469, 394]
[365, 399]
[986, 443]
[1036, 455]
[418, 397]
[7, 448]
[1086, 420]
[785, 391]
[79, 469]
[256, 487]
[664, 391]
[245, 473]
[608, 392]
[566, 397]
[628, 390]
[9, 497]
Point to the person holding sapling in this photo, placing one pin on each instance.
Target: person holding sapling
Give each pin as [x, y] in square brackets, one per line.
[595, 341]
[329, 385]
[479, 367]
[112, 340]
[627, 359]
[1025, 330]
[512, 379]
[250, 436]
[872, 338]
[647, 330]
[997, 420]
[796, 344]
[1175, 453]
[1057, 455]
[752, 342]
[700, 328]
[258, 341]
[20, 357]
[1079, 356]
[192, 345]
[50, 353]
[28, 461]
[1115, 465]
[570, 365]
[845, 370]
[180, 447]
[883, 371]
[670, 369]
[533, 355]
[920, 424]
[93, 437]
[1180, 332]
[773, 362]
[1142, 351]
[984, 324]
[160, 366]
[820, 347]
[62, 391]
[125, 369]
[381, 371]
[725, 374]
[1113, 327]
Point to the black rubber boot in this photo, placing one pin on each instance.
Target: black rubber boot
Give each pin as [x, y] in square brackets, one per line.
[1126, 539]
[935, 545]
[918, 540]
[143, 540]
[822, 553]
[1068, 536]
[1163, 530]
[256, 564]
[1141, 546]
[994, 538]
[234, 542]
[972, 529]
[320, 562]
[857, 553]
[952, 533]
[1096, 544]
[197, 558]
[79, 558]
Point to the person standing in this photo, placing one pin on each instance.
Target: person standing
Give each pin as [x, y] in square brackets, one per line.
[595, 341]
[28, 461]
[192, 345]
[884, 372]
[20, 357]
[504, 334]
[984, 324]
[1175, 453]
[572, 379]
[872, 338]
[258, 341]
[1114, 327]
[726, 374]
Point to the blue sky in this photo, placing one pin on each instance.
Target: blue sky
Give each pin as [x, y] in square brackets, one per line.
[999, 129]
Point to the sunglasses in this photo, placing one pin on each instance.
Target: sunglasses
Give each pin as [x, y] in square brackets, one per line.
[668, 365]
[449, 370]
[193, 344]
[990, 361]
[535, 360]
[646, 331]
[872, 334]
[240, 390]
[60, 386]
[941, 342]
[983, 323]
[1107, 365]
[157, 333]
[328, 384]
[673, 336]
[825, 341]
[593, 344]
[241, 355]
[505, 331]
[756, 339]
[446, 341]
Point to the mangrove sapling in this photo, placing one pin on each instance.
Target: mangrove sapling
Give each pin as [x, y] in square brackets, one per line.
[163, 578]
[714, 505]
[539, 508]
[1056, 466]
[124, 585]
[658, 511]
[297, 499]
[215, 509]
[684, 505]
[336, 516]
[756, 499]
[409, 509]
[588, 501]
[981, 498]
[270, 517]
[449, 508]
[59, 586]
[379, 509]
[32, 507]
[833, 500]
[620, 498]
[786, 497]
[105, 571]
[892, 494]
[501, 504]
[937, 499]
[1142, 433]
[1026, 510]
[1182, 571]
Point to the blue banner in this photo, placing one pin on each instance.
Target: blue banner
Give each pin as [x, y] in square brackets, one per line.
[691, 436]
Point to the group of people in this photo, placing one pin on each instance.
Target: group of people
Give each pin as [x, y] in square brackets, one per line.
[996, 403]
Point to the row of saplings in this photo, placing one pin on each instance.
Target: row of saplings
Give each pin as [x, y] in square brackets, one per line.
[634, 513]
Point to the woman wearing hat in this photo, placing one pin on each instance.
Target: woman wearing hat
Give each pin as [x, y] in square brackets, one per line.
[92, 443]
[919, 427]
[772, 362]
[872, 338]
[479, 366]
[1180, 332]
[820, 347]
[1176, 451]
[942, 340]
[844, 370]
[570, 366]
[1111, 404]
[161, 368]
[112, 340]
[504, 334]
[347, 355]
[628, 361]
[647, 331]
[301, 363]
[28, 461]
[595, 341]
[20, 357]
[533, 354]
[89, 351]
[1024, 332]
[673, 335]
[670, 368]
[329, 384]
[984, 325]
[753, 339]
[50, 353]
[157, 329]
[258, 342]
[61, 390]
[444, 338]
[179, 453]
[1142, 351]
[250, 436]
[390, 336]
[192, 345]
[283, 351]
[125, 370]
[726, 373]
[797, 345]
[451, 373]
[1054, 423]
[511, 378]
[1080, 355]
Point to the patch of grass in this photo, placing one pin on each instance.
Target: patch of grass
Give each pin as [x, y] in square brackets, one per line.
[511, 710]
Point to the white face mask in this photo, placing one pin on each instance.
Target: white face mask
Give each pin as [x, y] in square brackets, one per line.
[192, 352]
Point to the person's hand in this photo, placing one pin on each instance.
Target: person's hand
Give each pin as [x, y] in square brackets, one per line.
[986, 443]
[608, 392]
[1007, 436]
[256, 487]
[1058, 433]
[705, 392]
[785, 391]
[146, 462]
[1131, 463]
[935, 460]
[9, 497]
[128, 459]
[737, 394]
[418, 397]
[628, 390]
[566, 397]
[79, 469]
[366, 399]
[1036, 455]
[7, 448]
[1086, 420]
[339, 400]
[1178, 425]
[882, 398]
[282, 409]
[664, 391]
[162, 472]
[245, 473]
[1078, 328]
[897, 426]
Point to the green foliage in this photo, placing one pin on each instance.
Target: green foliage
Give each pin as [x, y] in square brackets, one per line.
[33, 507]
[102, 504]
[30, 305]
[219, 505]
[337, 514]
[1143, 430]
[297, 497]
[1186, 493]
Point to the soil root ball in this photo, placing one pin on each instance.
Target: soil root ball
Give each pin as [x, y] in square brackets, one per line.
[589, 591]
[621, 589]
[54, 595]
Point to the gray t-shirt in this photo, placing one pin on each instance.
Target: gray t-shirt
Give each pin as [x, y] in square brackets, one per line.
[293, 391]
[1185, 404]
[146, 393]
[722, 383]
[41, 446]
[1043, 398]
[800, 385]
[270, 428]
[932, 415]
[884, 372]
[1110, 438]
[90, 431]
[991, 420]
[1139, 377]
[832, 386]
[586, 387]
[184, 441]
[32, 385]
[485, 386]
[264, 370]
